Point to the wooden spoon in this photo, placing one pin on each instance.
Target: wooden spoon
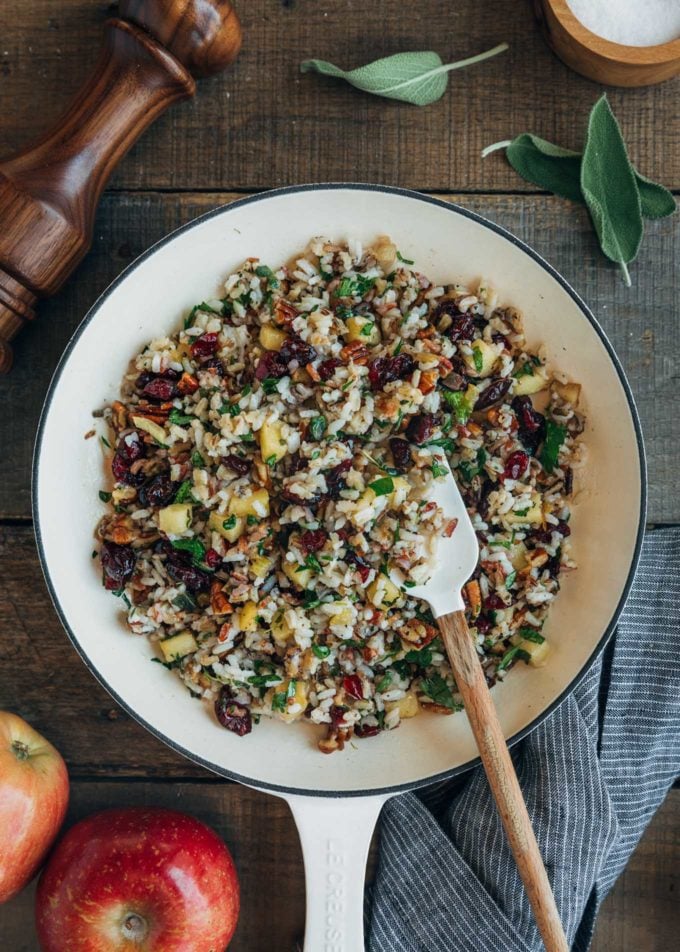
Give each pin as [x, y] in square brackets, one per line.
[456, 560]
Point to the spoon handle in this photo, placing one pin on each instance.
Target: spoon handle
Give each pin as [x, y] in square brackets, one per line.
[502, 778]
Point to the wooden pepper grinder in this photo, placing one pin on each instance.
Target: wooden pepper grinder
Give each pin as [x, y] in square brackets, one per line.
[49, 192]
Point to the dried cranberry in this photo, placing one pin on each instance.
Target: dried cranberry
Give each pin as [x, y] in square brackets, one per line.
[290, 496]
[327, 368]
[462, 326]
[295, 348]
[499, 338]
[214, 366]
[554, 564]
[540, 535]
[384, 370]
[483, 504]
[516, 465]
[235, 717]
[563, 528]
[212, 558]
[337, 713]
[494, 393]
[361, 565]
[118, 563]
[493, 602]
[353, 687]
[420, 428]
[312, 540]
[531, 423]
[130, 448]
[181, 571]
[205, 346]
[240, 465]
[161, 389]
[158, 492]
[121, 472]
[401, 454]
[482, 624]
[366, 730]
[270, 365]
[335, 478]
[568, 480]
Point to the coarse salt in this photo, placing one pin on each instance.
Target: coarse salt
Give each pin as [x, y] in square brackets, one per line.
[630, 22]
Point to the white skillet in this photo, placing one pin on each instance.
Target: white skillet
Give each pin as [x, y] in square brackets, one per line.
[335, 800]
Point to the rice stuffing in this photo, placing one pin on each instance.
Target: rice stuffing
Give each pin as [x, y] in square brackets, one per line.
[272, 463]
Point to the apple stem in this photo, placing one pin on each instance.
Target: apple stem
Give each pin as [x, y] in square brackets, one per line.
[134, 927]
[20, 750]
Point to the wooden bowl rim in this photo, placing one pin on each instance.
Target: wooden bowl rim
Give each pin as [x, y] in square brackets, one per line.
[618, 52]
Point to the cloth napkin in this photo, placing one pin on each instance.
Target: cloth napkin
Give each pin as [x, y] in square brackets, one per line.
[592, 775]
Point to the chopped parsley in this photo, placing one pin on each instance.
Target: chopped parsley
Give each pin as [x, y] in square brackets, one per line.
[321, 651]
[270, 385]
[184, 493]
[272, 460]
[530, 634]
[438, 690]
[184, 603]
[404, 260]
[104, 496]
[458, 402]
[367, 329]
[382, 486]
[317, 427]
[384, 683]
[438, 469]
[176, 416]
[554, 438]
[229, 523]
[478, 359]
[356, 286]
[197, 459]
[193, 546]
[526, 370]
[511, 655]
[510, 579]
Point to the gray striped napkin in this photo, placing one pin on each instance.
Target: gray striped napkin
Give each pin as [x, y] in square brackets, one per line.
[593, 774]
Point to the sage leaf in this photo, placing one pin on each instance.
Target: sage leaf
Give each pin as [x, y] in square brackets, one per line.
[558, 170]
[418, 77]
[610, 188]
[549, 166]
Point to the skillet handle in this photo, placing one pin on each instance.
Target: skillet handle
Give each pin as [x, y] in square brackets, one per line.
[335, 833]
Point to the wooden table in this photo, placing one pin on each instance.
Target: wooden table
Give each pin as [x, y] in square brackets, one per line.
[262, 125]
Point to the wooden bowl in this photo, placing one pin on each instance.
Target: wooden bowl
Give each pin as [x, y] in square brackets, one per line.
[602, 60]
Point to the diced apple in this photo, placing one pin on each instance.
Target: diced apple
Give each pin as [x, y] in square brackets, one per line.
[271, 337]
[175, 519]
[537, 650]
[385, 252]
[281, 630]
[533, 515]
[153, 429]
[297, 701]
[247, 617]
[229, 526]
[382, 592]
[178, 646]
[273, 447]
[483, 356]
[254, 504]
[569, 392]
[518, 556]
[530, 383]
[298, 574]
[342, 615]
[408, 706]
[261, 565]
[362, 329]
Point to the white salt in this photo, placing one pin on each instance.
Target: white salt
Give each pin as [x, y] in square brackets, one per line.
[631, 22]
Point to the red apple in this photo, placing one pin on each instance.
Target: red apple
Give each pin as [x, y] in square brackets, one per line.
[147, 879]
[33, 801]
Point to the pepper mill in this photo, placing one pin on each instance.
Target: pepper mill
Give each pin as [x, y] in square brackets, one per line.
[50, 191]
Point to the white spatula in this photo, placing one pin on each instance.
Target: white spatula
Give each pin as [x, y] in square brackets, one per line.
[456, 560]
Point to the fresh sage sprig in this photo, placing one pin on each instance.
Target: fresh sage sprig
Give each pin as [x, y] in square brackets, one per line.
[603, 178]
[419, 77]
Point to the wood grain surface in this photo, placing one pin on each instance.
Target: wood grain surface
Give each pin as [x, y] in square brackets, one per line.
[264, 124]
[261, 125]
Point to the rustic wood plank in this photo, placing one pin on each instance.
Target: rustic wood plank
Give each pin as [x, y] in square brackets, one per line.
[263, 124]
[641, 915]
[639, 320]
